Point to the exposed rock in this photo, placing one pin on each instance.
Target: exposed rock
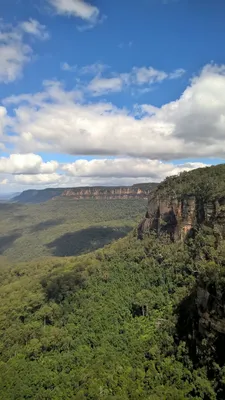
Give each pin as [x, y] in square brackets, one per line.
[108, 193]
[141, 190]
[178, 217]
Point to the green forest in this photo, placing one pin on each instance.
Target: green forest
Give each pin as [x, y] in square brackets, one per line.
[122, 322]
[64, 227]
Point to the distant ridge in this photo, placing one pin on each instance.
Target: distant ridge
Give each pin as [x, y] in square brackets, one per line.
[141, 190]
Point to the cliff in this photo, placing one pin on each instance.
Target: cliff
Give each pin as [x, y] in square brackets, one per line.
[181, 204]
[108, 193]
[141, 190]
[179, 217]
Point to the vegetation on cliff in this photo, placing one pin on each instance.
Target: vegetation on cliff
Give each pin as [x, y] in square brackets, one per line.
[135, 320]
[206, 183]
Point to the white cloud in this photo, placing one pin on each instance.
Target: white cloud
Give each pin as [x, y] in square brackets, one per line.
[26, 164]
[192, 126]
[39, 179]
[76, 8]
[34, 27]
[138, 76]
[177, 73]
[149, 75]
[15, 53]
[116, 82]
[99, 86]
[66, 67]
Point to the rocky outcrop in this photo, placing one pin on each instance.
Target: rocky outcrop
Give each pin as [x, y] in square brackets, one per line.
[178, 217]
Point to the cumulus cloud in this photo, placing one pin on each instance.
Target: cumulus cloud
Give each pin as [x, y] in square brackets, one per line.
[15, 53]
[26, 164]
[76, 8]
[192, 126]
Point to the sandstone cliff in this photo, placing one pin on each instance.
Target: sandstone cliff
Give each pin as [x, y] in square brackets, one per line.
[141, 190]
[181, 204]
[108, 193]
[178, 217]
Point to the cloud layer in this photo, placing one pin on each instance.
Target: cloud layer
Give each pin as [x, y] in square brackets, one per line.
[30, 170]
[192, 126]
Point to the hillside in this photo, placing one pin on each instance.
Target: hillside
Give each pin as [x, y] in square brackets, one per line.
[136, 320]
[137, 191]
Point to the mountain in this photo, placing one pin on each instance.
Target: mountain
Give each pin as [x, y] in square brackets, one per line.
[37, 196]
[99, 192]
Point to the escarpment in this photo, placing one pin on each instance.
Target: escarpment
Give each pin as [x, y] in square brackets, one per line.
[136, 191]
[181, 204]
[109, 193]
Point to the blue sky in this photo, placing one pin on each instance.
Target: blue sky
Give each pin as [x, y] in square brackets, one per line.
[109, 92]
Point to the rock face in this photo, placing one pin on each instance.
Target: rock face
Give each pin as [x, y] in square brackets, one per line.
[108, 193]
[178, 217]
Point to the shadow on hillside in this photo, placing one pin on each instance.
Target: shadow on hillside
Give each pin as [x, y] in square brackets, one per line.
[76, 243]
[47, 224]
[9, 207]
[7, 241]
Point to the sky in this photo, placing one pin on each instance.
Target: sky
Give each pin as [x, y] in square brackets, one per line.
[102, 92]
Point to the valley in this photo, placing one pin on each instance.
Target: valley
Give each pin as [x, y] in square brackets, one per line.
[64, 227]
